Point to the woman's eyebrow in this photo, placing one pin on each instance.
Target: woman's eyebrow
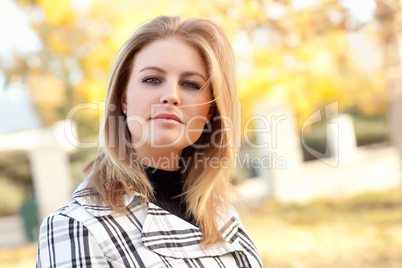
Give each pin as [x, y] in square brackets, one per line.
[158, 69]
[194, 73]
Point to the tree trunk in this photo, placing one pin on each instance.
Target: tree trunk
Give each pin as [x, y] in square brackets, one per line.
[389, 15]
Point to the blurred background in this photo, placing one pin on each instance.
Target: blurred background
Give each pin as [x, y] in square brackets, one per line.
[320, 87]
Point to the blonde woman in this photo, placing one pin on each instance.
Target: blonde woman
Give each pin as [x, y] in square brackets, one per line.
[158, 193]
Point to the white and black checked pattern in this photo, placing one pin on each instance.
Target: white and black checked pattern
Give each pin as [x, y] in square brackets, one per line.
[82, 234]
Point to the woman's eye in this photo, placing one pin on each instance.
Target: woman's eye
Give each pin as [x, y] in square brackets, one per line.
[191, 85]
[151, 80]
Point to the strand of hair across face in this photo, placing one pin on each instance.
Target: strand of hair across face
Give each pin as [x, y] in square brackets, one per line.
[198, 104]
[207, 83]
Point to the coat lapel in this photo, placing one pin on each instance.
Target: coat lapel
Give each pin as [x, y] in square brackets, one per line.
[165, 233]
[171, 236]
[85, 198]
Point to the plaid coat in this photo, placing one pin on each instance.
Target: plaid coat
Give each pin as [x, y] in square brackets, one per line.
[83, 234]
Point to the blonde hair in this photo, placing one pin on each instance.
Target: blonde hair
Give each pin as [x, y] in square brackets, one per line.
[206, 190]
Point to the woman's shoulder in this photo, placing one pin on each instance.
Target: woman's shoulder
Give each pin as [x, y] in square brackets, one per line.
[60, 216]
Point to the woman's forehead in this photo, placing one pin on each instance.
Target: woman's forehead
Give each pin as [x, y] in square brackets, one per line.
[171, 53]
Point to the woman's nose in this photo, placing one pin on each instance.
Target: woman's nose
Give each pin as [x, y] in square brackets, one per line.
[171, 94]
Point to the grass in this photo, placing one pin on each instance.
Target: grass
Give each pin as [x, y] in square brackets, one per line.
[363, 231]
[21, 257]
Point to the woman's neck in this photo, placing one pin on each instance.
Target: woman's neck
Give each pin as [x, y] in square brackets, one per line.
[157, 158]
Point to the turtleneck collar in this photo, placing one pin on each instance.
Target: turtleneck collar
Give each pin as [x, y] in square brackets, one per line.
[168, 186]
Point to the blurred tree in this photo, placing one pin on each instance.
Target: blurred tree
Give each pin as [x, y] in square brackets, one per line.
[285, 51]
[302, 55]
[389, 18]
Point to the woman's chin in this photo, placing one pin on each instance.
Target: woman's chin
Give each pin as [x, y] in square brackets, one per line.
[166, 142]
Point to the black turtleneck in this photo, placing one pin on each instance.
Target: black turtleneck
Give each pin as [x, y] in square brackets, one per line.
[168, 185]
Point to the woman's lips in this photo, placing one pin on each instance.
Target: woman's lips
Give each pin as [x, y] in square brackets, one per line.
[168, 118]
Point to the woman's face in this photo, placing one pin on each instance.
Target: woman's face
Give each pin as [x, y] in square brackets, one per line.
[166, 103]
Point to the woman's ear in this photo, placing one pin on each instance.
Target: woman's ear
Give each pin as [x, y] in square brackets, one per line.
[123, 103]
[210, 112]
